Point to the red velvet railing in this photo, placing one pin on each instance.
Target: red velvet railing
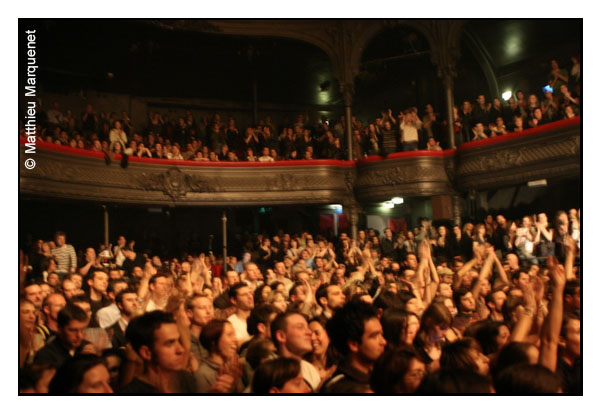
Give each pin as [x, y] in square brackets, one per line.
[372, 158]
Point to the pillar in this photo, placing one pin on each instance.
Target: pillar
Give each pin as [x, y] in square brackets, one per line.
[224, 236]
[352, 211]
[106, 226]
[448, 87]
[347, 91]
[457, 203]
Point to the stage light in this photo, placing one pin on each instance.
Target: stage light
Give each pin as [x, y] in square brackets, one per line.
[397, 200]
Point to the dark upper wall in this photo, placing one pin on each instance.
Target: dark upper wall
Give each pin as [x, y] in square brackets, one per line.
[147, 60]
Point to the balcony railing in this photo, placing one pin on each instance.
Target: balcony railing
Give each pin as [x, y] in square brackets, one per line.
[549, 151]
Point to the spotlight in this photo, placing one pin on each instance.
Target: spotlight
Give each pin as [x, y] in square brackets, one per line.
[506, 95]
[397, 200]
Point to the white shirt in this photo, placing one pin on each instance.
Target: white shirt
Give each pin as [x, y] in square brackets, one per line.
[310, 374]
[239, 327]
[108, 315]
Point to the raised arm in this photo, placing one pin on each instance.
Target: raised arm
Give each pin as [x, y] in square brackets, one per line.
[552, 324]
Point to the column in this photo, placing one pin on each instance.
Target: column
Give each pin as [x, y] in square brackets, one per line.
[352, 211]
[457, 203]
[224, 236]
[347, 91]
[448, 86]
[106, 227]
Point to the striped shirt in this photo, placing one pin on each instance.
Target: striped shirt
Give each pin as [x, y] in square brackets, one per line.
[66, 260]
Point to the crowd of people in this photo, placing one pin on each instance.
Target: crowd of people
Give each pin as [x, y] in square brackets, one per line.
[486, 307]
[219, 139]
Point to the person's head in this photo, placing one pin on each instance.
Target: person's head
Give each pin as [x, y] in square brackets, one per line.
[113, 358]
[219, 338]
[464, 354]
[330, 297]
[99, 282]
[527, 379]
[397, 371]
[127, 302]
[452, 381]
[36, 378]
[72, 321]
[515, 353]
[53, 280]
[259, 351]
[259, 321]
[76, 279]
[241, 296]
[571, 296]
[400, 327]
[280, 375]
[320, 341]
[409, 301]
[569, 338]
[291, 334]
[435, 322]
[156, 339]
[464, 300]
[199, 308]
[411, 261]
[232, 277]
[52, 305]
[68, 288]
[356, 333]
[60, 238]
[278, 300]
[82, 374]
[33, 293]
[27, 314]
[297, 292]
[495, 300]
[491, 335]
[158, 285]
[252, 271]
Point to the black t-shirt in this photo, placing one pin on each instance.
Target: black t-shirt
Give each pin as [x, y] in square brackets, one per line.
[186, 385]
[571, 376]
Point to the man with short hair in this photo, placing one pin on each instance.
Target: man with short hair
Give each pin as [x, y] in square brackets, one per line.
[68, 288]
[243, 301]
[292, 337]
[33, 293]
[466, 309]
[199, 309]
[259, 322]
[330, 298]
[253, 275]
[495, 301]
[51, 306]
[98, 284]
[281, 275]
[357, 335]
[158, 290]
[223, 301]
[66, 260]
[72, 322]
[155, 337]
[127, 304]
[110, 314]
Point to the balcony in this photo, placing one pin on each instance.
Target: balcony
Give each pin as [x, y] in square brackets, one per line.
[549, 151]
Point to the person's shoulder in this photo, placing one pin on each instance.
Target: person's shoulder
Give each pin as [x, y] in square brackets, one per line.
[137, 386]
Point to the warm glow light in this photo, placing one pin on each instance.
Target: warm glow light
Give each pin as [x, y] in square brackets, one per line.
[397, 200]
[506, 95]
[388, 204]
